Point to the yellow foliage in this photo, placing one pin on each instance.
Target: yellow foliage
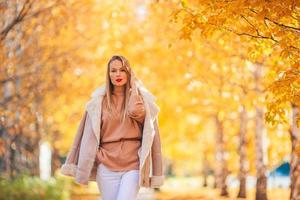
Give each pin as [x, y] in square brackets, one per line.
[213, 72]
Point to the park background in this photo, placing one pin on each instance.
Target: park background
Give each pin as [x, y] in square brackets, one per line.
[225, 74]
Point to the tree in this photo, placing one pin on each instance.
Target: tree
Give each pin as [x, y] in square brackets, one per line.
[260, 25]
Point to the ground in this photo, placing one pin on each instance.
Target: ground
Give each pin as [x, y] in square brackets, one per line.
[181, 189]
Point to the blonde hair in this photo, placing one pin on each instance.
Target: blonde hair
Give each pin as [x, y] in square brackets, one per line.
[109, 88]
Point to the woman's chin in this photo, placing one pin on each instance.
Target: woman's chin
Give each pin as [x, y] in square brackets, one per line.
[119, 84]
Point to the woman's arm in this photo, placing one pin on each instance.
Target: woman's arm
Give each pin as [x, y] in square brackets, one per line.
[136, 109]
[69, 166]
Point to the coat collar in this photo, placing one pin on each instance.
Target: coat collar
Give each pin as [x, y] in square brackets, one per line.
[99, 92]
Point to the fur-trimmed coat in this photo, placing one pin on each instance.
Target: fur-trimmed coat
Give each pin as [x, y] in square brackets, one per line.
[81, 159]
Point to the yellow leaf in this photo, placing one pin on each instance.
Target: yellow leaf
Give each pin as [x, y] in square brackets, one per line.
[184, 3]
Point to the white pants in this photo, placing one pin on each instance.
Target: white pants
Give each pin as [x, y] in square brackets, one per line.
[121, 185]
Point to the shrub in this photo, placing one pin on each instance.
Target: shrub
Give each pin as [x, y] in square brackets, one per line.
[24, 187]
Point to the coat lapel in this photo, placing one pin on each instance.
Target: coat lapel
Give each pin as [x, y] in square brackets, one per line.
[94, 107]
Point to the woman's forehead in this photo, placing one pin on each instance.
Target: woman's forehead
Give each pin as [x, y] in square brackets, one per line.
[116, 64]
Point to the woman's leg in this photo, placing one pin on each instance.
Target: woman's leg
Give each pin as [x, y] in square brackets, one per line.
[129, 185]
[108, 182]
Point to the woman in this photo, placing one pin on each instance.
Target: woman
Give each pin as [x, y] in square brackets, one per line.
[117, 142]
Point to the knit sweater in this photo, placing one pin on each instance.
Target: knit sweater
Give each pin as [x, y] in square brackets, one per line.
[119, 143]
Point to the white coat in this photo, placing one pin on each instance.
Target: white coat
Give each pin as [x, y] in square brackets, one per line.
[81, 159]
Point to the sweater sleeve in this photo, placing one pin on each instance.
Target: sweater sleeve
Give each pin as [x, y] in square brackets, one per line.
[157, 178]
[136, 109]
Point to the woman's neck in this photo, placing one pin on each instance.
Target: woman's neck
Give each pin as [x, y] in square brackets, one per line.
[119, 90]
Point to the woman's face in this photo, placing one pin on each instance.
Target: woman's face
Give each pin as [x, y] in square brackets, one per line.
[117, 73]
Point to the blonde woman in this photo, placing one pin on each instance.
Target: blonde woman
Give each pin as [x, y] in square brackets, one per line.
[117, 142]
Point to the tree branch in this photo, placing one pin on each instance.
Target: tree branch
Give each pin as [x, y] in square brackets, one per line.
[24, 15]
[257, 32]
[296, 29]
[20, 16]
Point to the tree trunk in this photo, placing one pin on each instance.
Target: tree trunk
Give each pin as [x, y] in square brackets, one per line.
[222, 170]
[261, 182]
[295, 158]
[215, 185]
[205, 169]
[260, 162]
[205, 180]
[242, 152]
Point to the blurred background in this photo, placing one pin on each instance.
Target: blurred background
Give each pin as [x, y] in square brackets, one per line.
[226, 75]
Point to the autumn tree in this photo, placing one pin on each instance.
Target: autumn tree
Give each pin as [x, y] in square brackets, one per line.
[262, 25]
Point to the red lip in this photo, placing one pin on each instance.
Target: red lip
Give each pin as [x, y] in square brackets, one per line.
[119, 79]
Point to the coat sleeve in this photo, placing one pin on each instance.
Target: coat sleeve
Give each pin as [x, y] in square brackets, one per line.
[157, 178]
[87, 153]
[69, 167]
[136, 108]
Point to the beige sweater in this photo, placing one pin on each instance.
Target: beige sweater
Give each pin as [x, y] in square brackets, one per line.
[119, 143]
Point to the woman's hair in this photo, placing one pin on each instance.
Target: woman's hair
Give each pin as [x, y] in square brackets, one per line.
[109, 87]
